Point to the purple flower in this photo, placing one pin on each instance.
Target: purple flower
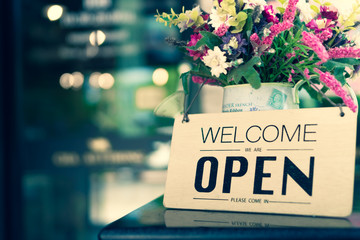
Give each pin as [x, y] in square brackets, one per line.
[233, 44]
[329, 13]
[269, 14]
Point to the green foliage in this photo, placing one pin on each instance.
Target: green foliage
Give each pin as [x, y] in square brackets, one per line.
[281, 9]
[315, 9]
[341, 63]
[185, 81]
[338, 68]
[339, 75]
[238, 22]
[349, 22]
[248, 72]
[209, 39]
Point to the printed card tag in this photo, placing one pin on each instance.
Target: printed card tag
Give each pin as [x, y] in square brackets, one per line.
[286, 161]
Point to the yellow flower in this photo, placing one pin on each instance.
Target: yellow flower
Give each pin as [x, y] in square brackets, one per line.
[238, 22]
[227, 7]
[190, 18]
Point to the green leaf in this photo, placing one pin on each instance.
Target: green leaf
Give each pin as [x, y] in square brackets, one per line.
[203, 69]
[185, 81]
[249, 25]
[281, 9]
[351, 61]
[239, 27]
[315, 8]
[241, 3]
[332, 64]
[347, 75]
[282, 1]
[339, 75]
[324, 89]
[209, 39]
[248, 72]
[238, 22]
[318, 2]
[313, 93]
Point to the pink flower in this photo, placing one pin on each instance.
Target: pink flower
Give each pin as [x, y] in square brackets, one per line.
[269, 14]
[290, 55]
[254, 38]
[205, 16]
[344, 52]
[197, 79]
[331, 82]
[315, 44]
[312, 25]
[290, 78]
[290, 11]
[196, 53]
[221, 31]
[275, 30]
[324, 22]
[325, 34]
[306, 73]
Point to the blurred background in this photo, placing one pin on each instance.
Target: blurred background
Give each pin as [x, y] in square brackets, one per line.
[80, 145]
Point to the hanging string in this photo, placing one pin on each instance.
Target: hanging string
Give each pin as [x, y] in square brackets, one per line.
[328, 99]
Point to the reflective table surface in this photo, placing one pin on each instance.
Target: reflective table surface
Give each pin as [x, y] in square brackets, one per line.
[154, 221]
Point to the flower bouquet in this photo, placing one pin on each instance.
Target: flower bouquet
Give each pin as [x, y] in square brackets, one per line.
[254, 42]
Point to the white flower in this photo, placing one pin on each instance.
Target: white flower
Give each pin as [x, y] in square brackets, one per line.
[237, 62]
[232, 43]
[266, 32]
[216, 60]
[240, 61]
[251, 4]
[217, 19]
[321, 23]
[306, 13]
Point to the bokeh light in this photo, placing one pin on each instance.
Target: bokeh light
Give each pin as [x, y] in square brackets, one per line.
[106, 81]
[97, 38]
[54, 12]
[66, 80]
[94, 79]
[160, 76]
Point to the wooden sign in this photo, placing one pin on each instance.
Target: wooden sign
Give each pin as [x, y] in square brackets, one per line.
[285, 161]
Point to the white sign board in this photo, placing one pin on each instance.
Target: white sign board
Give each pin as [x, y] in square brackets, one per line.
[286, 161]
